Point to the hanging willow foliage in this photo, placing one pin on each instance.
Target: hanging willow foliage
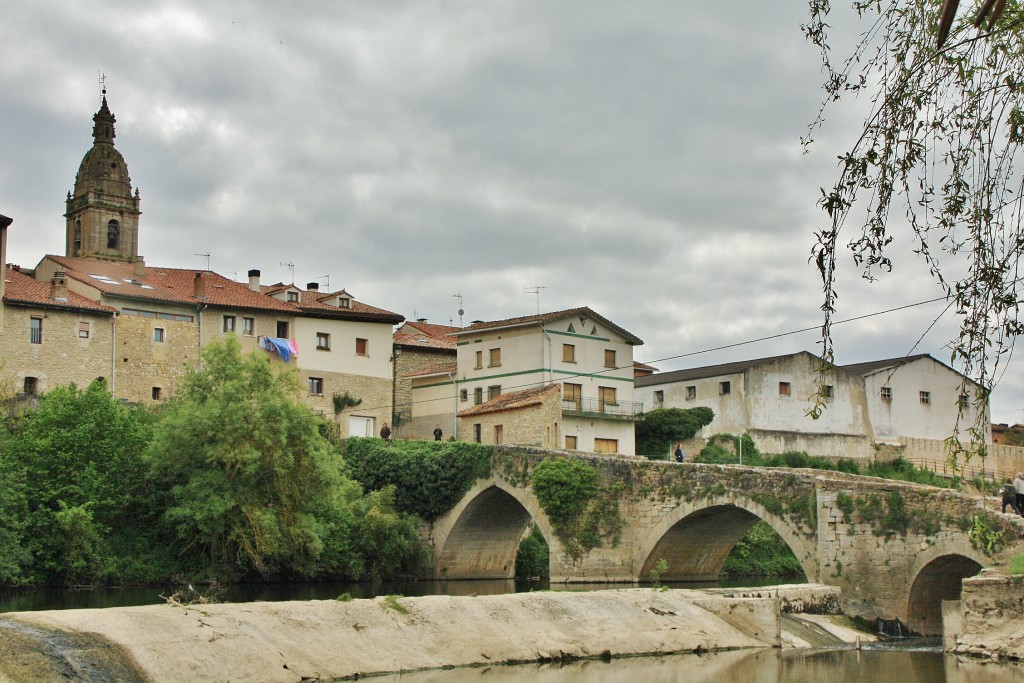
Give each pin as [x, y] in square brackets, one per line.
[936, 157]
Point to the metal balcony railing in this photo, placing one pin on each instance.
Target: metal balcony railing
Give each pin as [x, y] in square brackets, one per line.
[595, 407]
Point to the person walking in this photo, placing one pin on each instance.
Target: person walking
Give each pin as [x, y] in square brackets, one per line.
[1018, 484]
[1010, 496]
[438, 433]
[680, 456]
[385, 432]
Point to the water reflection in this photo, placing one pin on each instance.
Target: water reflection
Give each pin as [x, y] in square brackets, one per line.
[761, 666]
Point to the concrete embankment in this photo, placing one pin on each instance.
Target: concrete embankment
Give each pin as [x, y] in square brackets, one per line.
[292, 641]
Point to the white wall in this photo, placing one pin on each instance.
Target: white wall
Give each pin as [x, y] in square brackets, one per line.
[342, 357]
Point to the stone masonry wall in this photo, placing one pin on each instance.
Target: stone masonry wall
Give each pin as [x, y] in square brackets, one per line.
[142, 364]
[537, 426]
[991, 614]
[414, 361]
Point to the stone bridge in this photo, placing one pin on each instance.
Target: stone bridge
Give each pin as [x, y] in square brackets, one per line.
[896, 550]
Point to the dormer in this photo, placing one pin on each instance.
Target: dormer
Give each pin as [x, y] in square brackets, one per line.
[289, 293]
[340, 299]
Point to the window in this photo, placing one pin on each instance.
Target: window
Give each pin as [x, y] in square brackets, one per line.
[229, 323]
[479, 360]
[362, 347]
[316, 386]
[826, 391]
[463, 394]
[248, 326]
[606, 445]
[30, 386]
[609, 358]
[724, 388]
[476, 432]
[156, 393]
[113, 234]
[478, 396]
[659, 397]
[964, 401]
[83, 330]
[293, 297]
[499, 434]
[925, 396]
[493, 391]
[606, 397]
[784, 388]
[159, 334]
[691, 392]
[282, 329]
[78, 237]
[495, 358]
[35, 330]
[886, 393]
[323, 342]
[568, 353]
[344, 302]
[572, 392]
[570, 443]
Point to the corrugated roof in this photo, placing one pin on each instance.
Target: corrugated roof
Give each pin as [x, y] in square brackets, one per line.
[546, 318]
[871, 366]
[514, 400]
[25, 290]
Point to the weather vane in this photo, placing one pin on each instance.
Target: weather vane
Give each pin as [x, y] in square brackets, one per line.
[103, 82]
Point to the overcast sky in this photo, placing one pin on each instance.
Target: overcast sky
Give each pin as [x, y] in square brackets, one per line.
[641, 158]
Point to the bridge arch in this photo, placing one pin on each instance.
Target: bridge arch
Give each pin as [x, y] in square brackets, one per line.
[937, 576]
[479, 537]
[696, 538]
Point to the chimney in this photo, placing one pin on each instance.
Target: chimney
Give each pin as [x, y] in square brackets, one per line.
[199, 286]
[313, 286]
[140, 267]
[254, 280]
[59, 286]
[421, 320]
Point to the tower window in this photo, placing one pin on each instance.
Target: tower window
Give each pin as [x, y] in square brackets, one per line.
[113, 234]
[78, 237]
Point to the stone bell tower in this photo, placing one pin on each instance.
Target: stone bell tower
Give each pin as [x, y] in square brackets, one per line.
[102, 213]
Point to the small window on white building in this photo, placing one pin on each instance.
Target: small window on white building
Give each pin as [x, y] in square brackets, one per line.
[463, 394]
[925, 396]
[826, 391]
[478, 395]
[784, 388]
[724, 388]
[362, 347]
[964, 400]
[493, 391]
[479, 360]
[495, 358]
[691, 392]
[293, 297]
[609, 358]
[570, 443]
[886, 393]
[568, 353]
[323, 341]
[659, 397]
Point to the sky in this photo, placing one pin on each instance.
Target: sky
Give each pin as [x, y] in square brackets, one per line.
[640, 158]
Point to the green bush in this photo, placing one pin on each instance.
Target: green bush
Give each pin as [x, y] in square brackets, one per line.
[1016, 567]
[658, 429]
[762, 552]
[429, 477]
[532, 558]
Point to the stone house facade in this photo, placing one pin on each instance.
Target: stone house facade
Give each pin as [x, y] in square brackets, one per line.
[424, 354]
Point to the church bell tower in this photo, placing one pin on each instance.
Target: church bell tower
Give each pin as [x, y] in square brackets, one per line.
[102, 213]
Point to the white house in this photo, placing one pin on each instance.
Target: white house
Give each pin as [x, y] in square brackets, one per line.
[586, 356]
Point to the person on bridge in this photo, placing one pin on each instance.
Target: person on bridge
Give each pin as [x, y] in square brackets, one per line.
[385, 432]
[1010, 496]
[1018, 484]
[438, 433]
[680, 456]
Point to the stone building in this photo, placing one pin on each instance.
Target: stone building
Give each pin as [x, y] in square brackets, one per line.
[424, 354]
[501, 366]
[156, 320]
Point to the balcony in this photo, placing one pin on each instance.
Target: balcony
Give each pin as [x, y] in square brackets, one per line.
[595, 407]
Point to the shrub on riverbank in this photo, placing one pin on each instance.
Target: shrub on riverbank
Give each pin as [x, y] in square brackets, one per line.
[762, 552]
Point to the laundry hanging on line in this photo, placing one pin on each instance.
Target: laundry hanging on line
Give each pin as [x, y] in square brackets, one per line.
[285, 348]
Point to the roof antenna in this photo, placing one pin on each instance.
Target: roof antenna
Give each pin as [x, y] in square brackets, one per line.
[461, 311]
[535, 291]
[207, 255]
[291, 269]
[326, 279]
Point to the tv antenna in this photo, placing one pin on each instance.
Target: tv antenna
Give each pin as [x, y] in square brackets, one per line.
[461, 310]
[207, 255]
[327, 281]
[291, 269]
[536, 292]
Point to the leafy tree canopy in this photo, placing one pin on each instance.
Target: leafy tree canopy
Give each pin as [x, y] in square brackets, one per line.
[936, 160]
[657, 430]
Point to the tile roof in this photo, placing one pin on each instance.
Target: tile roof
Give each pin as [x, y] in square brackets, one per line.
[709, 370]
[637, 365]
[514, 400]
[871, 366]
[426, 336]
[314, 303]
[26, 290]
[434, 369]
[546, 318]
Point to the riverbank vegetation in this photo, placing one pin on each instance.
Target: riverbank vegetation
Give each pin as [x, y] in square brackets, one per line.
[231, 480]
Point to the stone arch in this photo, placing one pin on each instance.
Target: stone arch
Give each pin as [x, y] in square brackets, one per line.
[478, 538]
[937, 576]
[696, 539]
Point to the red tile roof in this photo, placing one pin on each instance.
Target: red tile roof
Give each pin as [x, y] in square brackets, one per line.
[546, 318]
[25, 290]
[514, 400]
[434, 369]
[426, 336]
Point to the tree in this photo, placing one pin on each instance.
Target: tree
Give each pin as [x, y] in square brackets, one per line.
[657, 430]
[252, 484]
[79, 460]
[936, 158]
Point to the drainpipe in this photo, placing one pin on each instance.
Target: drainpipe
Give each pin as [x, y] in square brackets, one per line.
[548, 368]
[455, 382]
[113, 353]
[200, 308]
